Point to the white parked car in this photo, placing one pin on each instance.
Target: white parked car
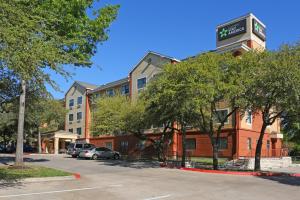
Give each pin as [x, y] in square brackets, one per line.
[99, 152]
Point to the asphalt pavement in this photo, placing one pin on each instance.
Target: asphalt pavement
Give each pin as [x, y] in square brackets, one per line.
[114, 180]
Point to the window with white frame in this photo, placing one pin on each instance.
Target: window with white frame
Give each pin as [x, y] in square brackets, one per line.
[249, 117]
[79, 115]
[71, 102]
[79, 100]
[110, 92]
[125, 89]
[78, 131]
[141, 83]
[71, 117]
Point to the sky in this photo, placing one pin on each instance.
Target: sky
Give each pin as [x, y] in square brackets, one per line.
[177, 28]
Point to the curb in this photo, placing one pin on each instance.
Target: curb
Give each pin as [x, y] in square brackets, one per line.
[75, 176]
[241, 173]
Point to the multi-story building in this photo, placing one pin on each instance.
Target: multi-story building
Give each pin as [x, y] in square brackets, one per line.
[76, 101]
[241, 132]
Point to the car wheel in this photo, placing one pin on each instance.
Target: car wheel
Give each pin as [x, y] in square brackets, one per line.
[94, 157]
[116, 157]
[73, 156]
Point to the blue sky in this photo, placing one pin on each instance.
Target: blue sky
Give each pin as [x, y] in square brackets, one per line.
[177, 28]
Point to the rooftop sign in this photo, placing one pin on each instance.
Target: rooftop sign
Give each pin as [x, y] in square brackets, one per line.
[232, 30]
[258, 29]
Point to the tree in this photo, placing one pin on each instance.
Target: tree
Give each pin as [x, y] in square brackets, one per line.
[191, 92]
[44, 114]
[276, 89]
[39, 35]
[169, 99]
[217, 81]
[118, 115]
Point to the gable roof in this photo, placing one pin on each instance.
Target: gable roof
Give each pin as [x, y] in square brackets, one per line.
[86, 85]
[154, 53]
[110, 85]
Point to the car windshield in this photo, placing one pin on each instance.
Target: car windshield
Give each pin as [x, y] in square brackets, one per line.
[78, 146]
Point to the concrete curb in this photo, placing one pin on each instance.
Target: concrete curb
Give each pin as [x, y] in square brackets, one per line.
[241, 173]
[75, 176]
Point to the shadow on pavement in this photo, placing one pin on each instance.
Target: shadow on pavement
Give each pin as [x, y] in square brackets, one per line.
[130, 164]
[7, 160]
[287, 180]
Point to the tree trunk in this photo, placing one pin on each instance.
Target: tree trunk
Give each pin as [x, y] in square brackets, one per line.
[4, 140]
[215, 156]
[39, 140]
[183, 157]
[258, 148]
[20, 134]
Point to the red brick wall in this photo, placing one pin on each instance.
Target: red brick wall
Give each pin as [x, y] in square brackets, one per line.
[204, 147]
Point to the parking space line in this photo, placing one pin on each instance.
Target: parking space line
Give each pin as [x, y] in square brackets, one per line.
[49, 192]
[158, 197]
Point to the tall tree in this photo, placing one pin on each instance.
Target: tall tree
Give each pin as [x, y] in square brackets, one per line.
[219, 85]
[169, 98]
[38, 35]
[276, 89]
[118, 115]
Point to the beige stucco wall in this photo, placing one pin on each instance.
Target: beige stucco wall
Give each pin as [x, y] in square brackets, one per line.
[74, 92]
[148, 67]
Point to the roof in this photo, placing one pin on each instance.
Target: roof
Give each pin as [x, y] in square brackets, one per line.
[110, 85]
[86, 85]
[155, 53]
[191, 57]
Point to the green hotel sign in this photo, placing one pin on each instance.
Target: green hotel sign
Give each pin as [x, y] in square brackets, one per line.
[258, 29]
[232, 30]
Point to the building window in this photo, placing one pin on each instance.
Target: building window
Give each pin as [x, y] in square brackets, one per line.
[79, 115]
[124, 145]
[125, 89]
[141, 83]
[70, 130]
[71, 103]
[71, 117]
[191, 144]
[108, 145]
[79, 100]
[110, 92]
[221, 114]
[223, 143]
[268, 144]
[249, 143]
[78, 131]
[97, 95]
[248, 117]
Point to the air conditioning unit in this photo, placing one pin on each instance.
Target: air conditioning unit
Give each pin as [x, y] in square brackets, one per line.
[71, 108]
[70, 122]
[78, 121]
[79, 106]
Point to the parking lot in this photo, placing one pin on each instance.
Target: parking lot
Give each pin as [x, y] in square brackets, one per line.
[117, 179]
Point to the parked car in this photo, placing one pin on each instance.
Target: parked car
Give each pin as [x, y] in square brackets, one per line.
[75, 148]
[104, 152]
[99, 152]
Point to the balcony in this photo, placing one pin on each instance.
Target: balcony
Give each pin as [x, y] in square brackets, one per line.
[276, 135]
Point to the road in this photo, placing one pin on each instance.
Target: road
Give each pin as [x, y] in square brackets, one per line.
[120, 180]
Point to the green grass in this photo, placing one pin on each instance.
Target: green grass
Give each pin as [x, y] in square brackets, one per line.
[296, 161]
[208, 161]
[11, 174]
